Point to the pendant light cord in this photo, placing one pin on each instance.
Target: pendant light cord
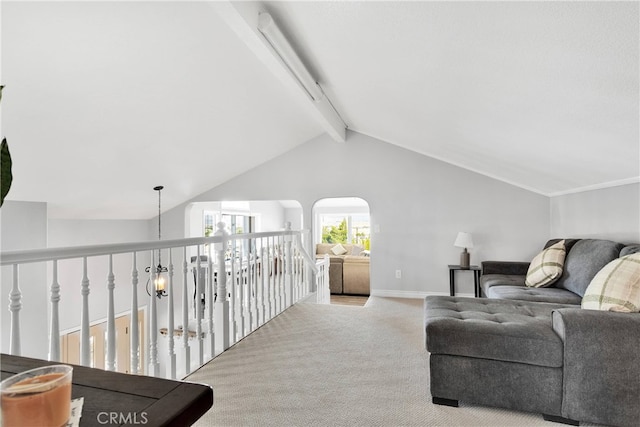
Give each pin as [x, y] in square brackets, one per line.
[159, 190]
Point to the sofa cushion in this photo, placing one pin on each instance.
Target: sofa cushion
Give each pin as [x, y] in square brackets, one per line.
[338, 250]
[511, 331]
[616, 287]
[487, 281]
[524, 293]
[584, 260]
[546, 267]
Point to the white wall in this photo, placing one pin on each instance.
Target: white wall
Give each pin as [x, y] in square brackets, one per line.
[24, 226]
[610, 213]
[418, 203]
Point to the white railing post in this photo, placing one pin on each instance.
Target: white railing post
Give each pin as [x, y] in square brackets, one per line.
[15, 305]
[240, 294]
[185, 314]
[281, 290]
[134, 336]
[210, 302]
[222, 303]
[171, 372]
[85, 336]
[199, 291]
[323, 293]
[54, 324]
[288, 270]
[154, 365]
[111, 320]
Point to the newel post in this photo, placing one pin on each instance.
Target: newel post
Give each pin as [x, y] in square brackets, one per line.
[288, 262]
[222, 302]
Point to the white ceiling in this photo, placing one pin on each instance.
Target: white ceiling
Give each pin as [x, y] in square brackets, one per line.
[104, 101]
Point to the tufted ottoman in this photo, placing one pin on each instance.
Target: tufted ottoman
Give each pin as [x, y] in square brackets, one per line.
[494, 352]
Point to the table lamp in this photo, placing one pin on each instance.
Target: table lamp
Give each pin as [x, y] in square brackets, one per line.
[465, 241]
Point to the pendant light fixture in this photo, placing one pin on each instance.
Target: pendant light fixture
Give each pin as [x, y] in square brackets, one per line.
[160, 281]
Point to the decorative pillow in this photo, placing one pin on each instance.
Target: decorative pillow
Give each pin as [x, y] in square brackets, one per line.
[616, 287]
[338, 250]
[547, 266]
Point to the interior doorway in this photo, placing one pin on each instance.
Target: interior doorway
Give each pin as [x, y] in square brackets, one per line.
[342, 230]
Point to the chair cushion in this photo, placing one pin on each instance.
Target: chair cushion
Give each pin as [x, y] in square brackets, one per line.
[546, 267]
[524, 293]
[583, 262]
[616, 287]
[511, 331]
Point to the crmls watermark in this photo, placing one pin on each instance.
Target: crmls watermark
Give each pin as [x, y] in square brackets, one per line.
[122, 418]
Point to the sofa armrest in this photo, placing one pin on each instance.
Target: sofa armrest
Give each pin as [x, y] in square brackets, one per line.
[601, 373]
[505, 267]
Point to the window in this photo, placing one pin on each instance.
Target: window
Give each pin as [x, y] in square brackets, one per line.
[345, 228]
[235, 224]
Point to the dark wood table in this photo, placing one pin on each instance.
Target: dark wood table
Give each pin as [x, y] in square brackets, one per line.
[135, 399]
[476, 278]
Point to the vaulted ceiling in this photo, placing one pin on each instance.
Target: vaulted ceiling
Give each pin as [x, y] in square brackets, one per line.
[105, 100]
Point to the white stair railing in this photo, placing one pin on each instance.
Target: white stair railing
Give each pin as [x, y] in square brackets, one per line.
[234, 293]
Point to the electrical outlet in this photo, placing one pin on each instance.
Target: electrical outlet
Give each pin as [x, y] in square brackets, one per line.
[398, 274]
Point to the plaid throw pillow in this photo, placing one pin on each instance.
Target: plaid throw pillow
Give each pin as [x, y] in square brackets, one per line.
[616, 287]
[547, 266]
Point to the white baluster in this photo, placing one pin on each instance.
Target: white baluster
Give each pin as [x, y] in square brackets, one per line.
[134, 336]
[281, 275]
[154, 365]
[240, 276]
[234, 294]
[200, 289]
[264, 274]
[185, 314]
[326, 297]
[85, 348]
[222, 303]
[15, 305]
[210, 302]
[54, 324]
[111, 320]
[270, 273]
[171, 372]
[250, 288]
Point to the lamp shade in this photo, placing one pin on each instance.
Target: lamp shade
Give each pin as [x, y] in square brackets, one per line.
[463, 240]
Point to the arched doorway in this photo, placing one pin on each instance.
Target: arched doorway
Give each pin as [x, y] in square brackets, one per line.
[342, 230]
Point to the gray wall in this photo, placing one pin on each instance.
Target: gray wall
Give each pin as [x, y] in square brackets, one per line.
[609, 213]
[417, 203]
[64, 232]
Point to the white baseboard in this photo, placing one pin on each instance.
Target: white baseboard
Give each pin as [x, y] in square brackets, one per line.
[390, 293]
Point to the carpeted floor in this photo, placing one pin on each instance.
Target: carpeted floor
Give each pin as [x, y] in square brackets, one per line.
[330, 365]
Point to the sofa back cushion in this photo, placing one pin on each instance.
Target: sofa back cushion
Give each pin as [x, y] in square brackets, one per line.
[328, 248]
[630, 249]
[584, 260]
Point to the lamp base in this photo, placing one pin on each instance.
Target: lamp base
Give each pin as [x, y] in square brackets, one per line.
[465, 259]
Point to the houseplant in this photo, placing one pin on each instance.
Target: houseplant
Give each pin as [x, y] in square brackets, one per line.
[6, 177]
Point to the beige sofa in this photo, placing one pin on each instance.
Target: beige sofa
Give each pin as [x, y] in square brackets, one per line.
[348, 268]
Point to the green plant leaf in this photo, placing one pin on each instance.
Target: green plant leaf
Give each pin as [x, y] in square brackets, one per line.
[6, 177]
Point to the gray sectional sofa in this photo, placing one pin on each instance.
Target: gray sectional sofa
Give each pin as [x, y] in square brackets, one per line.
[535, 349]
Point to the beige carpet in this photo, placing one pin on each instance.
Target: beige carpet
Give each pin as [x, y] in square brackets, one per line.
[329, 365]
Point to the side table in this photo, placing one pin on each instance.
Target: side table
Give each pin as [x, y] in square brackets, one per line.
[476, 278]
